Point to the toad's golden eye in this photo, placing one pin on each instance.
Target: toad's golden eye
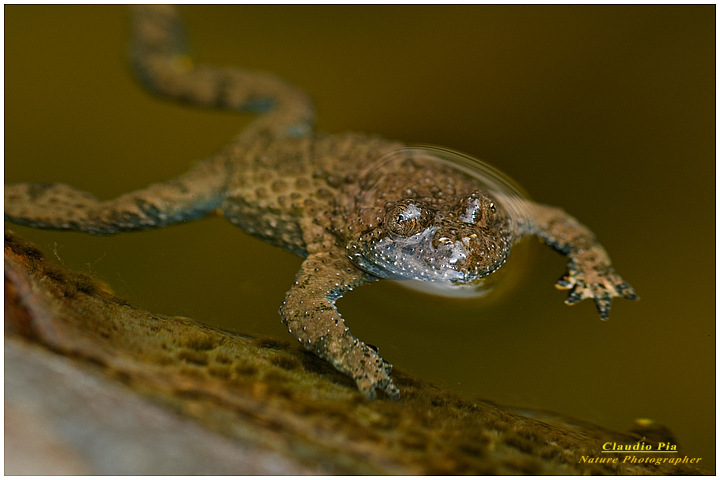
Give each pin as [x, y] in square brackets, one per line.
[406, 219]
[490, 215]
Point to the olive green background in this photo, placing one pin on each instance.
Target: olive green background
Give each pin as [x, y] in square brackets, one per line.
[607, 111]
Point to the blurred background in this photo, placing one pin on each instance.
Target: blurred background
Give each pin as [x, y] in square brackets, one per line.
[606, 111]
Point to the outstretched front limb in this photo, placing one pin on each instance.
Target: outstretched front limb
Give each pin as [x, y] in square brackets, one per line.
[590, 273]
[60, 207]
[310, 314]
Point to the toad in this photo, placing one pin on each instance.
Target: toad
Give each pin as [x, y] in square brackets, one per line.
[358, 208]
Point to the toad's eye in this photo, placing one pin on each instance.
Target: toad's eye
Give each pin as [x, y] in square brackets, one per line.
[406, 219]
[490, 213]
[478, 209]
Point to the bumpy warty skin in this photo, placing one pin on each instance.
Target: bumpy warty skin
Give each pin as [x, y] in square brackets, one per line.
[424, 222]
[329, 198]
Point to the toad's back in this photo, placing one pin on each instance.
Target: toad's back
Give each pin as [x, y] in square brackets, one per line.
[275, 188]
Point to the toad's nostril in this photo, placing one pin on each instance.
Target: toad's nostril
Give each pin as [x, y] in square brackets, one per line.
[443, 237]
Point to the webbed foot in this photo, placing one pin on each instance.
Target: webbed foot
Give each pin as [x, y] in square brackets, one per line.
[599, 282]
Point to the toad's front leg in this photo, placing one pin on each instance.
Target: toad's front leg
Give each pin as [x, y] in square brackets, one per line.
[590, 273]
[310, 314]
[57, 206]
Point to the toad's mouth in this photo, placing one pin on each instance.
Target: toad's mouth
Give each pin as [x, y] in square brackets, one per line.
[430, 256]
[414, 258]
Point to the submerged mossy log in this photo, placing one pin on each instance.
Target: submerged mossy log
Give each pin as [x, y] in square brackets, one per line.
[258, 398]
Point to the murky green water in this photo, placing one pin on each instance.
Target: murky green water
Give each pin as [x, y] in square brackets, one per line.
[607, 111]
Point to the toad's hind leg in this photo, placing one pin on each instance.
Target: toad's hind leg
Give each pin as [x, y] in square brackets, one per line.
[161, 62]
[60, 207]
[310, 314]
[589, 271]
